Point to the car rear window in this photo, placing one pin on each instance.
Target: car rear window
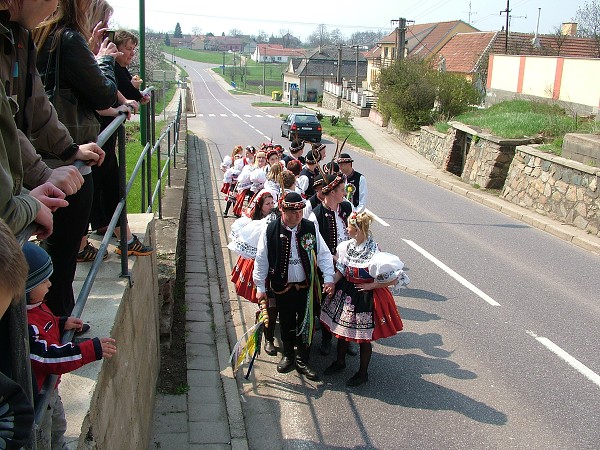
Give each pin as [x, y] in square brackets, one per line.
[306, 119]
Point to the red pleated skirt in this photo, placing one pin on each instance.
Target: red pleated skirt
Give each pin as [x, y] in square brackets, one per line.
[238, 207]
[242, 278]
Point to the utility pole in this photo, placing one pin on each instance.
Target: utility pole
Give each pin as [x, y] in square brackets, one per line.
[400, 37]
[507, 12]
[471, 13]
[338, 77]
[356, 80]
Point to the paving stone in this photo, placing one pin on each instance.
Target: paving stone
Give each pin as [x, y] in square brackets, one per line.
[209, 433]
[207, 413]
[204, 378]
[203, 395]
[203, 350]
[196, 298]
[175, 422]
[169, 403]
[192, 315]
[199, 327]
[200, 338]
[169, 441]
[198, 306]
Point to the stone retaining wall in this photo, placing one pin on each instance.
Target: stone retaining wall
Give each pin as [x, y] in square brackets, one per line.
[435, 146]
[562, 189]
[331, 101]
[121, 410]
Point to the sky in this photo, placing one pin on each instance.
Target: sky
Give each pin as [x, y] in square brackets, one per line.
[301, 18]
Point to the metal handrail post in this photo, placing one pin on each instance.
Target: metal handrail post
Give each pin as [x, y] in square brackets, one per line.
[123, 227]
[169, 156]
[159, 180]
[149, 164]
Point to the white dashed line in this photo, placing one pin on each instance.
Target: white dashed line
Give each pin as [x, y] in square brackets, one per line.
[377, 218]
[574, 363]
[453, 274]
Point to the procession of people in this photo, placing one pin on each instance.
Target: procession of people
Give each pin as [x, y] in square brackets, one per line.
[307, 257]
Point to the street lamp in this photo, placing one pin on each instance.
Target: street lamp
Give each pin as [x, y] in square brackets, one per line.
[223, 66]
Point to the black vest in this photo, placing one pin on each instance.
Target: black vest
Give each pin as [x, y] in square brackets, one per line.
[354, 179]
[310, 190]
[327, 223]
[314, 201]
[279, 250]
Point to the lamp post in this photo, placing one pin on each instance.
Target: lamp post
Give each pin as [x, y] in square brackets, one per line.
[264, 69]
[223, 66]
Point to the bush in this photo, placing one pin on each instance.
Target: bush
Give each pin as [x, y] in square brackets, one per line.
[334, 120]
[412, 93]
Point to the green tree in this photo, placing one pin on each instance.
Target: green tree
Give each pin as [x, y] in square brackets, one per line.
[177, 32]
[167, 40]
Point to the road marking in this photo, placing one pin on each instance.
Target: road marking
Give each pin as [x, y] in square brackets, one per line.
[223, 115]
[453, 274]
[211, 115]
[257, 115]
[200, 115]
[574, 363]
[377, 218]
[247, 115]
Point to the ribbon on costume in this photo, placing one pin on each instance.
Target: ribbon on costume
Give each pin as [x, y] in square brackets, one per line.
[247, 348]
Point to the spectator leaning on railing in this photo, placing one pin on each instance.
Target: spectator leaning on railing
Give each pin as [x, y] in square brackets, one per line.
[91, 81]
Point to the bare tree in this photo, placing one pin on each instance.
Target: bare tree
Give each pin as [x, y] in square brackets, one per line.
[285, 34]
[588, 20]
[558, 39]
[235, 32]
[262, 37]
[196, 30]
[319, 37]
[337, 37]
[366, 38]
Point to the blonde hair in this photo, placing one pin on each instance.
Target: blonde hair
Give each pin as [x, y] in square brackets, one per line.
[73, 14]
[274, 172]
[12, 261]
[288, 179]
[361, 221]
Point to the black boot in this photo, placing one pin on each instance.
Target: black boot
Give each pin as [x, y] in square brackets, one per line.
[303, 369]
[270, 348]
[285, 364]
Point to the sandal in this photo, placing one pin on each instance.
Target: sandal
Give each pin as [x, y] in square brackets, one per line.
[89, 253]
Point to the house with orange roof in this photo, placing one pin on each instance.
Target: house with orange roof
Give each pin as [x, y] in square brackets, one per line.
[275, 53]
[422, 41]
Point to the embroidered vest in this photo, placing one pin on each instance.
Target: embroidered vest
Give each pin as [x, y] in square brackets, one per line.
[310, 190]
[327, 223]
[279, 249]
[354, 180]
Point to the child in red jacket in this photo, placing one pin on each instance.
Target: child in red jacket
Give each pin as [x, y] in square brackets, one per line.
[48, 355]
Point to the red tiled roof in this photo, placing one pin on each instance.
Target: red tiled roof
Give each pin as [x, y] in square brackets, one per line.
[549, 45]
[278, 50]
[463, 51]
[423, 38]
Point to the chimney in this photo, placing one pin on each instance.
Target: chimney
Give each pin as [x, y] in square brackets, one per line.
[568, 29]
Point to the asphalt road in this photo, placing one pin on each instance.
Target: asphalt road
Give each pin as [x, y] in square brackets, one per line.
[500, 346]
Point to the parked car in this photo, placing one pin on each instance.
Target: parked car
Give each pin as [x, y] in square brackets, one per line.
[302, 126]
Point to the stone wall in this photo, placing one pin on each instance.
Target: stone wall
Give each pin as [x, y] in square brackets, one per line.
[377, 118]
[410, 138]
[562, 189]
[584, 148]
[331, 101]
[121, 410]
[487, 163]
[353, 109]
[436, 146]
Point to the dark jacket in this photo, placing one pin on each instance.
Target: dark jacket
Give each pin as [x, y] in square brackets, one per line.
[128, 90]
[38, 124]
[91, 80]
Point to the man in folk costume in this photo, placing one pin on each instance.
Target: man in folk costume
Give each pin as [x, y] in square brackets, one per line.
[290, 250]
[317, 198]
[331, 218]
[357, 194]
[296, 149]
[307, 175]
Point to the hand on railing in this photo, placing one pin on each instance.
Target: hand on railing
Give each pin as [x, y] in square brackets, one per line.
[50, 198]
[124, 109]
[91, 154]
[133, 105]
[67, 178]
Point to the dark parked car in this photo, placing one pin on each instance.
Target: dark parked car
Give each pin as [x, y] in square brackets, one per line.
[302, 126]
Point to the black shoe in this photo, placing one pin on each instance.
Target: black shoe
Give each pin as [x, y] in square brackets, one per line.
[303, 369]
[285, 364]
[357, 379]
[334, 367]
[352, 350]
[270, 348]
[84, 329]
[325, 347]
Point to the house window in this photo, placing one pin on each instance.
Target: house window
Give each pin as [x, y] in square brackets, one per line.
[385, 52]
[394, 53]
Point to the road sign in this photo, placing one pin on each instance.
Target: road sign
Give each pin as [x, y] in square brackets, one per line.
[169, 75]
[293, 87]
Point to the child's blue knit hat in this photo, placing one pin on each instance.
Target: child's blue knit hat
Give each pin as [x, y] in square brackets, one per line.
[40, 265]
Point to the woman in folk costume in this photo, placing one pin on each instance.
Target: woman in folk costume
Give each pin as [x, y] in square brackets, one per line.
[245, 183]
[228, 160]
[233, 166]
[244, 236]
[273, 182]
[363, 308]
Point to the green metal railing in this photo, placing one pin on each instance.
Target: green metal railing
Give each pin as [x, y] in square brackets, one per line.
[20, 366]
